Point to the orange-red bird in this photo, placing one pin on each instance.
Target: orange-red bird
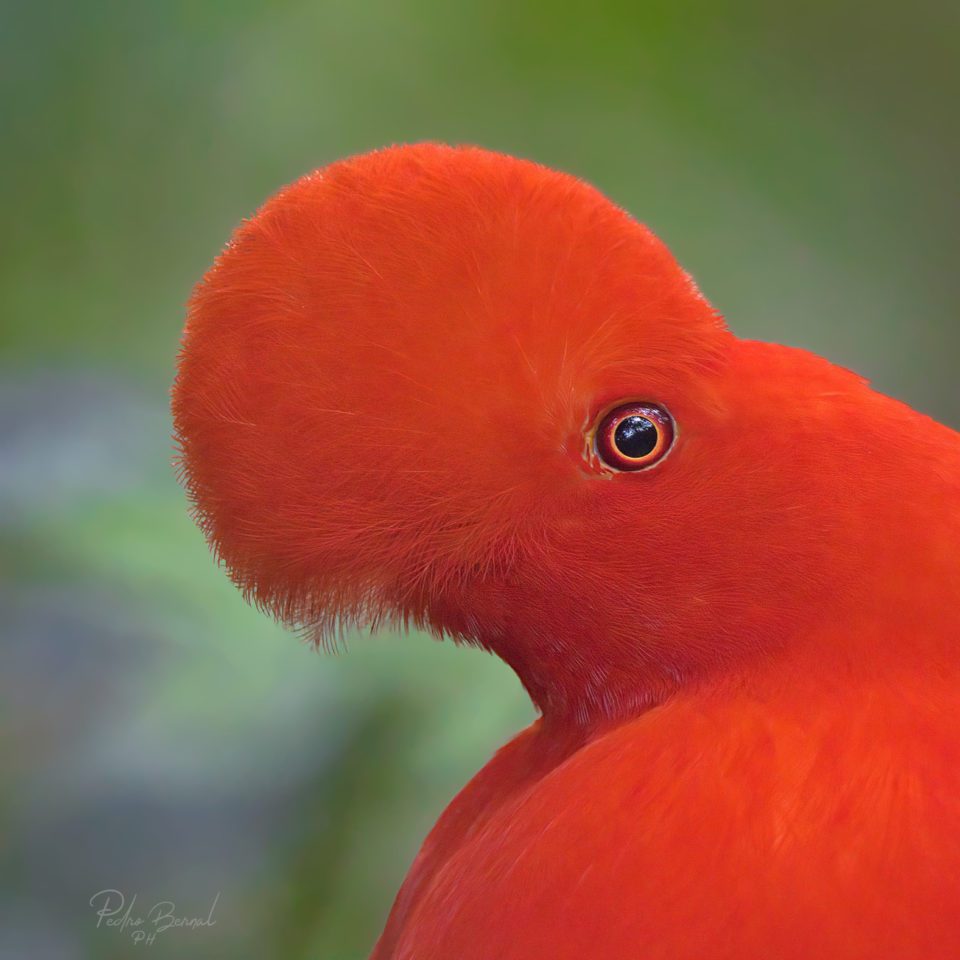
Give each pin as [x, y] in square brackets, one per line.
[445, 387]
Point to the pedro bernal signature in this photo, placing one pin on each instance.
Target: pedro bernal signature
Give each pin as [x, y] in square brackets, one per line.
[113, 910]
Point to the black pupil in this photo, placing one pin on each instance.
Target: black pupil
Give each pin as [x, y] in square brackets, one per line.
[635, 436]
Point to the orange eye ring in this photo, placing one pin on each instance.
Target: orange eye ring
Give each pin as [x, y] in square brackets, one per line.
[633, 436]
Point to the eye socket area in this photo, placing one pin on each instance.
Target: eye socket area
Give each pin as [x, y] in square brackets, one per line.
[633, 436]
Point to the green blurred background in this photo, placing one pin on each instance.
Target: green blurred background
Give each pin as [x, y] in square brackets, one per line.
[159, 737]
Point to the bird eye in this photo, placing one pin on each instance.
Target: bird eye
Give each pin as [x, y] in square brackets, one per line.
[633, 436]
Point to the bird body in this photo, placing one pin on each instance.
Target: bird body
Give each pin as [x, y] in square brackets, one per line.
[812, 823]
[444, 387]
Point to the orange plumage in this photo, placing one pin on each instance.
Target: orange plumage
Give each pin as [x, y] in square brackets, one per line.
[745, 654]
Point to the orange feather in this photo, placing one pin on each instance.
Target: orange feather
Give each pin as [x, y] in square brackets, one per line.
[745, 655]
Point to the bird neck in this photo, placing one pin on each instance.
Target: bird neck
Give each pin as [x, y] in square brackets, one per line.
[890, 606]
[886, 644]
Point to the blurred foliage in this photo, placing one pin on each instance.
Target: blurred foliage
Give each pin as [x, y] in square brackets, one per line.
[158, 736]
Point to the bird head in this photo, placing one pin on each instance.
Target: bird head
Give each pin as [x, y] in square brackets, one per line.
[445, 387]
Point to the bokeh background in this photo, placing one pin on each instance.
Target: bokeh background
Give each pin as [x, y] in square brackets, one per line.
[160, 738]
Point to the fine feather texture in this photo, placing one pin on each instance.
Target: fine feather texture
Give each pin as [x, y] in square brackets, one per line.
[745, 656]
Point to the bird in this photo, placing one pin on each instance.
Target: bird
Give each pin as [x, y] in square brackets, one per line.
[442, 388]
